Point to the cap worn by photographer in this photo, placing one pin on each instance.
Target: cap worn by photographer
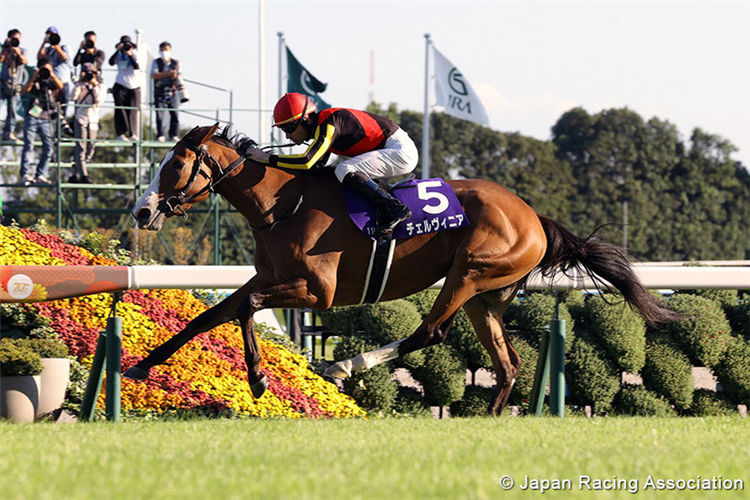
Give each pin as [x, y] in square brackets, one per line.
[88, 68]
[53, 29]
[126, 39]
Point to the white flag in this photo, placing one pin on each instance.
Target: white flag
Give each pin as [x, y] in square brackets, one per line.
[455, 94]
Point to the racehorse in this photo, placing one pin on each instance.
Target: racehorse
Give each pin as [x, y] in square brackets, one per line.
[309, 254]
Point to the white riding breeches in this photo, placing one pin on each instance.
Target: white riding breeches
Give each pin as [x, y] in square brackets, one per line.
[398, 157]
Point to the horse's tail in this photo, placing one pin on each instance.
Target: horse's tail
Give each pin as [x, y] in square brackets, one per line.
[565, 250]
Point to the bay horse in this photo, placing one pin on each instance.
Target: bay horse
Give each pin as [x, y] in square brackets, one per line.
[309, 254]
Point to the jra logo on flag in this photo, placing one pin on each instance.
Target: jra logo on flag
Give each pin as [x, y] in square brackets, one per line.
[454, 92]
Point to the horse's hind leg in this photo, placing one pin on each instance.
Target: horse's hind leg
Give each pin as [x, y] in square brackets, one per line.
[486, 314]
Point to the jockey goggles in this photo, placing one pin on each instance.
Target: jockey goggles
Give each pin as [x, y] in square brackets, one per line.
[292, 126]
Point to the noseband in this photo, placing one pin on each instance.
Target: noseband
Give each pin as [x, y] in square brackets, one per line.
[201, 155]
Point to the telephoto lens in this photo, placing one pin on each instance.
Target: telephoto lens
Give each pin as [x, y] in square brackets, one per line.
[88, 77]
[44, 73]
[54, 38]
[89, 44]
[14, 42]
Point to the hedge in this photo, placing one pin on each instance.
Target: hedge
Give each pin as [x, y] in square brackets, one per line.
[638, 401]
[592, 378]
[373, 389]
[463, 339]
[18, 360]
[536, 313]
[707, 403]
[387, 322]
[525, 377]
[739, 317]
[409, 402]
[668, 373]
[621, 331]
[474, 403]
[46, 348]
[443, 375]
[733, 371]
[704, 334]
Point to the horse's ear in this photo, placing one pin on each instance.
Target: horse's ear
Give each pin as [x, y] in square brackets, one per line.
[210, 133]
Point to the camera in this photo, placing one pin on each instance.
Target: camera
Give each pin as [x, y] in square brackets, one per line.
[54, 39]
[89, 44]
[87, 77]
[44, 73]
[13, 42]
[126, 46]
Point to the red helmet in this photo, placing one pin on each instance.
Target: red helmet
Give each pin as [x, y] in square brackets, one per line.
[291, 108]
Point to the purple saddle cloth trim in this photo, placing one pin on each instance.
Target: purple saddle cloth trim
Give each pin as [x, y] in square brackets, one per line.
[433, 203]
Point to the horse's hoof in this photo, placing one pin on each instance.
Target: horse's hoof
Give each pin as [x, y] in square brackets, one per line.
[259, 387]
[135, 373]
[342, 369]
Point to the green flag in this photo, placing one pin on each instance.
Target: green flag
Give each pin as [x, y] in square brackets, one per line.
[301, 81]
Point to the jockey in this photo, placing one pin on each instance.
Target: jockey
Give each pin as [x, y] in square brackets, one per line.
[376, 148]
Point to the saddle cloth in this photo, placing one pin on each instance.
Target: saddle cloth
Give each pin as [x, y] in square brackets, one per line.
[433, 203]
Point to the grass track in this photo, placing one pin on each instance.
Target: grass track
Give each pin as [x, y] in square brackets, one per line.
[423, 458]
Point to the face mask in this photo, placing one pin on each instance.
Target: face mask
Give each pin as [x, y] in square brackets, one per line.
[166, 55]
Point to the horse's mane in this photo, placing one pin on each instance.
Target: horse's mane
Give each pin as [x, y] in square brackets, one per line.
[235, 140]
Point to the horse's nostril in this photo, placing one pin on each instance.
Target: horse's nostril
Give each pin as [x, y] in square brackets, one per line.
[143, 215]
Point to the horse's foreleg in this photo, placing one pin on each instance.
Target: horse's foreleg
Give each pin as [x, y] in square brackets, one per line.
[288, 295]
[221, 313]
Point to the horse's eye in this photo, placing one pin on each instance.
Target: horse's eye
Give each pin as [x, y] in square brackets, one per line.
[177, 165]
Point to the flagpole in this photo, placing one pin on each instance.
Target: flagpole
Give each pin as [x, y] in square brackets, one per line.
[261, 74]
[426, 118]
[280, 34]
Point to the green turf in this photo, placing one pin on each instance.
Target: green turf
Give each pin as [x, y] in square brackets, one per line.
[399, 458]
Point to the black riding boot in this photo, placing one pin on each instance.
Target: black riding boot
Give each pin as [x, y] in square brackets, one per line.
[391, 211]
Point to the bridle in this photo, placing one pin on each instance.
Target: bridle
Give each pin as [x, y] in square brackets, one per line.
[202, 155]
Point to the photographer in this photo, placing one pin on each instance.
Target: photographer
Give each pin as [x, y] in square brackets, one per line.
[57, 53]
[89, 53]
[12, 57]
[87, 92]
[126, 91]
[164, 72]
[43, 87]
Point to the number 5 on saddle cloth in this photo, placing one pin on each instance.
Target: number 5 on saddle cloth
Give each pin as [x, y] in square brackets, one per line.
[434, 207]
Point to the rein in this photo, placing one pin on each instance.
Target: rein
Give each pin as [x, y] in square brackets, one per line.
[201, 155]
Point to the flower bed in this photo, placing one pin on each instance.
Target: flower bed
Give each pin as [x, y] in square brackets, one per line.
[209, 371]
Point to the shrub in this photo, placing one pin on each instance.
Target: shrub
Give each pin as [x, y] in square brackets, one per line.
[390, 321]
[705, 333]
[621, 331]
[46, 348]
[474, 403]
[423, 300]
[443, 375]
[374, 389]
[463, 339]
[733, 371]
[739, 317]
[17, 360]
[344, 320]
[722, 297]
[593, 380]
[638, 401]
[707, 403]
[410, 402]
[525, 377]
[536, 313]
[668, 373]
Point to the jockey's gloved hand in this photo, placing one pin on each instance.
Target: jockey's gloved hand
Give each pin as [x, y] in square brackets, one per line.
[257, 155]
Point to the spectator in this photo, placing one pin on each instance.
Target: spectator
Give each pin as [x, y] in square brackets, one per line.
[126, 90]
[12, 57]
[89, 96]
[43, 87]
[58, 56]
[164, 72]
[89, 53]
